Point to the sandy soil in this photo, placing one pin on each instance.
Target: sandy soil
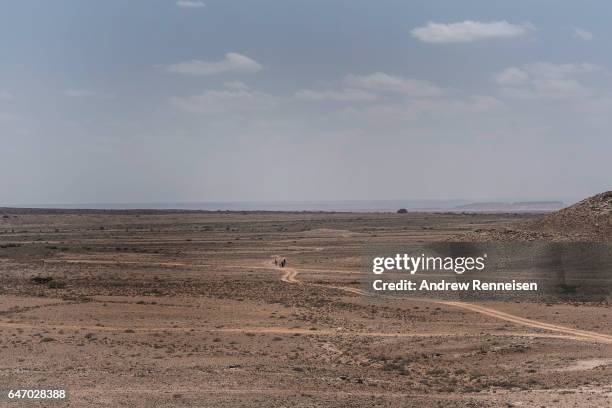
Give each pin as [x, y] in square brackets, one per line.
[188, 309]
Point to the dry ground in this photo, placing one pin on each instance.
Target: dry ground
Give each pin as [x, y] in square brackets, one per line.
[187, 309]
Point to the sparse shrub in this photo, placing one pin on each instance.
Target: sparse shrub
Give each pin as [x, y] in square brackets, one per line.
[10, 245]
[56, 285]
[41, 280]
[436, 371]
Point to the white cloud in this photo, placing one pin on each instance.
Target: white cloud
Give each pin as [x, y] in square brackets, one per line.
[511, 76]
[190, 4]
[543, 80]
[559, 71]
[344, 95]
[5, 96]
[233, 62]
[236, 85]
[468, 31]
[548, 89]
[582, 34]
[415, 109]
[380, 81]
[229, 100]
[473, 103]
[371, 87]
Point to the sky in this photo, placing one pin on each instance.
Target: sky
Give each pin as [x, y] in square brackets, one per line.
[219, 100]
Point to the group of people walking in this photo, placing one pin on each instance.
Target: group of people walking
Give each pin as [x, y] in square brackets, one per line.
[282, 263]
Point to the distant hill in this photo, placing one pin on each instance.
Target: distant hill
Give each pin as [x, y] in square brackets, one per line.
[520, 206]
[587, 220]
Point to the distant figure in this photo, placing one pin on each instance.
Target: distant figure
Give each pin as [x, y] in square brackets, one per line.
[283, 263]
[275, 262]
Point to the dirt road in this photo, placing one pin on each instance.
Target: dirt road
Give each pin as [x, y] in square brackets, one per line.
[290, 276]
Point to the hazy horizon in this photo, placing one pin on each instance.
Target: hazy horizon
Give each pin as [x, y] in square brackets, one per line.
[309, 205]
[230, 101]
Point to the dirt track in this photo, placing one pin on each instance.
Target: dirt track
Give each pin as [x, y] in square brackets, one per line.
[290, 276]
[575, 333]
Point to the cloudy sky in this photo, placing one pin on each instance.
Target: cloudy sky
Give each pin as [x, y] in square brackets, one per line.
[222, 100]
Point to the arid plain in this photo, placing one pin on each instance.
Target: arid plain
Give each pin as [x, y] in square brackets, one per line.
[187, 309]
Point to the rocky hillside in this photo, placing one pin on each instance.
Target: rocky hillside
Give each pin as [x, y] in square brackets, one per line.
[588, 220]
